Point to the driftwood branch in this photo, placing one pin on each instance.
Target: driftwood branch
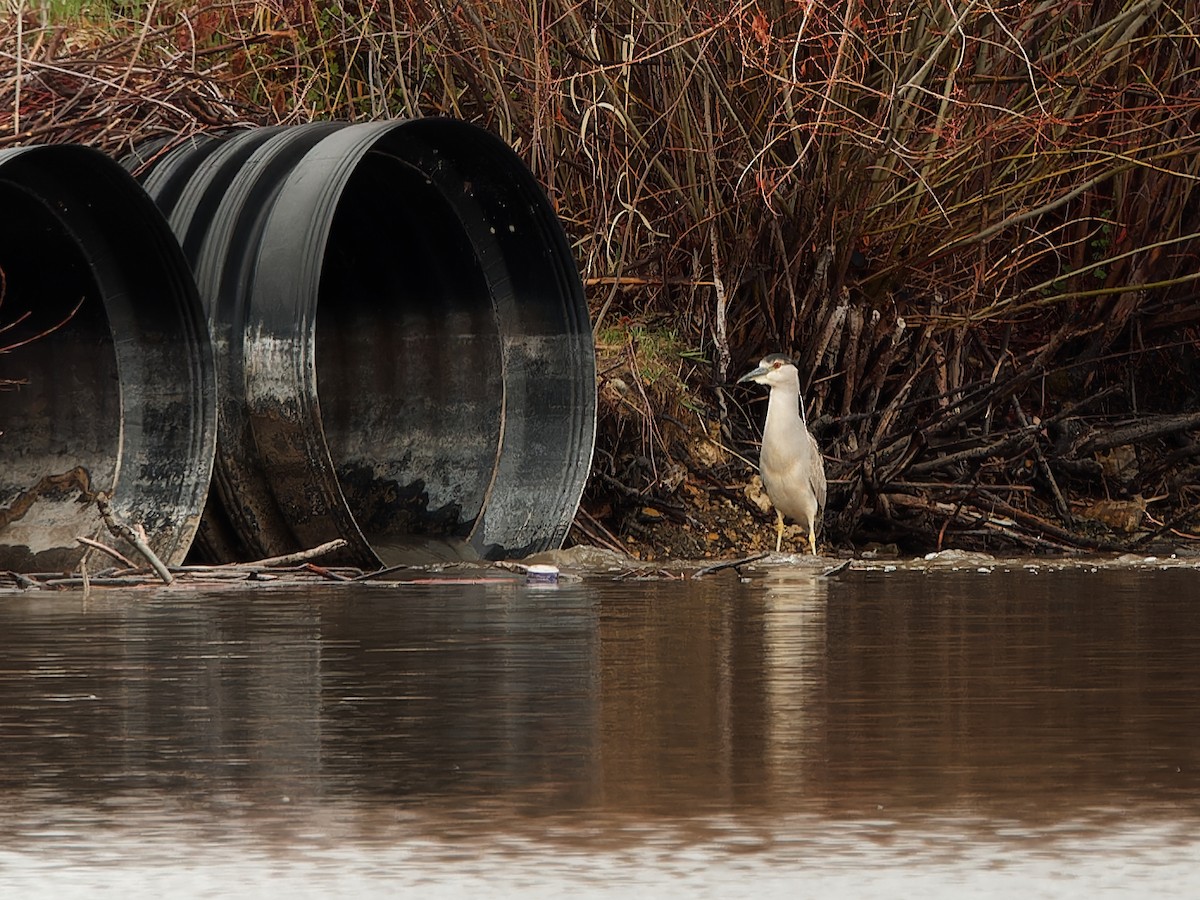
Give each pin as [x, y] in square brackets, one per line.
[729, 564]
[969, 516]
[1140, 431]
[291, 559]
[1040, 526]
[23, 581]
[328, 574]
[104, 548]
[123, 531]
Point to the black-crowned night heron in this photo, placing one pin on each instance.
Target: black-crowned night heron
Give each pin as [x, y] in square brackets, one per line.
[790, 464]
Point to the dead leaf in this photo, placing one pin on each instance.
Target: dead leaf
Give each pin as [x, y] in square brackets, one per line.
[1119, 515]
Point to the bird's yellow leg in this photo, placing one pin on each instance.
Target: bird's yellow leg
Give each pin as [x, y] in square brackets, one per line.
[778, 530]
[812, 539]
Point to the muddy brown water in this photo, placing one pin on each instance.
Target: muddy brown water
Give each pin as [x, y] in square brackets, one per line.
[1030, 731]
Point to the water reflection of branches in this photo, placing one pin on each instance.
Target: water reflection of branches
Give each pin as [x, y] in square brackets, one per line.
[9, 326]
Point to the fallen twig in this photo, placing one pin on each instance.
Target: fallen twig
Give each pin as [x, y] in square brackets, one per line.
[327, 573]
[728, 564]
[595, 532]
[379, 573]
[1044, 527]
[1014, 524]
[24, 581]
[290, 559]
[104, 548]
[838, 569]
[1151, 427]
[78, 581]
[123, 531]
[1170, 526]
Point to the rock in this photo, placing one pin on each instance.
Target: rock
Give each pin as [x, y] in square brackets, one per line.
[960, 558]
[673, 478]
[757, 494]
[581, 557]
[708, 451]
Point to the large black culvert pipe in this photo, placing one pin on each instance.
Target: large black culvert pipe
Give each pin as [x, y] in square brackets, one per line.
[109, 380]
[402, 339]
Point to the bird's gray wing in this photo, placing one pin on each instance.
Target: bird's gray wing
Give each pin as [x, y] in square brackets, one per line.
[816, 478]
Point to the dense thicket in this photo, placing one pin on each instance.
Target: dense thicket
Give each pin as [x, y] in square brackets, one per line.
[975, 224]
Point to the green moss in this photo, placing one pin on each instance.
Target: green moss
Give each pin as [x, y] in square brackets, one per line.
[66, 11]
[657, 352]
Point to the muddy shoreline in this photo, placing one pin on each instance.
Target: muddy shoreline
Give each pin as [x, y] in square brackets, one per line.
[575, 564]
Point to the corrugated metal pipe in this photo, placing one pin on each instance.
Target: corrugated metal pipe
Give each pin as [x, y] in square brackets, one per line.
[402, 348]
[107, 383]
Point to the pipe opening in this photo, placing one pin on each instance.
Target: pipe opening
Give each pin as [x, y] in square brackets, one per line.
[61, 428]
[408, 359]
[541, 316]
[121, 397]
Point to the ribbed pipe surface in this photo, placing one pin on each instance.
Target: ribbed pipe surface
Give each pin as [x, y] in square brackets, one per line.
[109, 382]
[403, 347]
